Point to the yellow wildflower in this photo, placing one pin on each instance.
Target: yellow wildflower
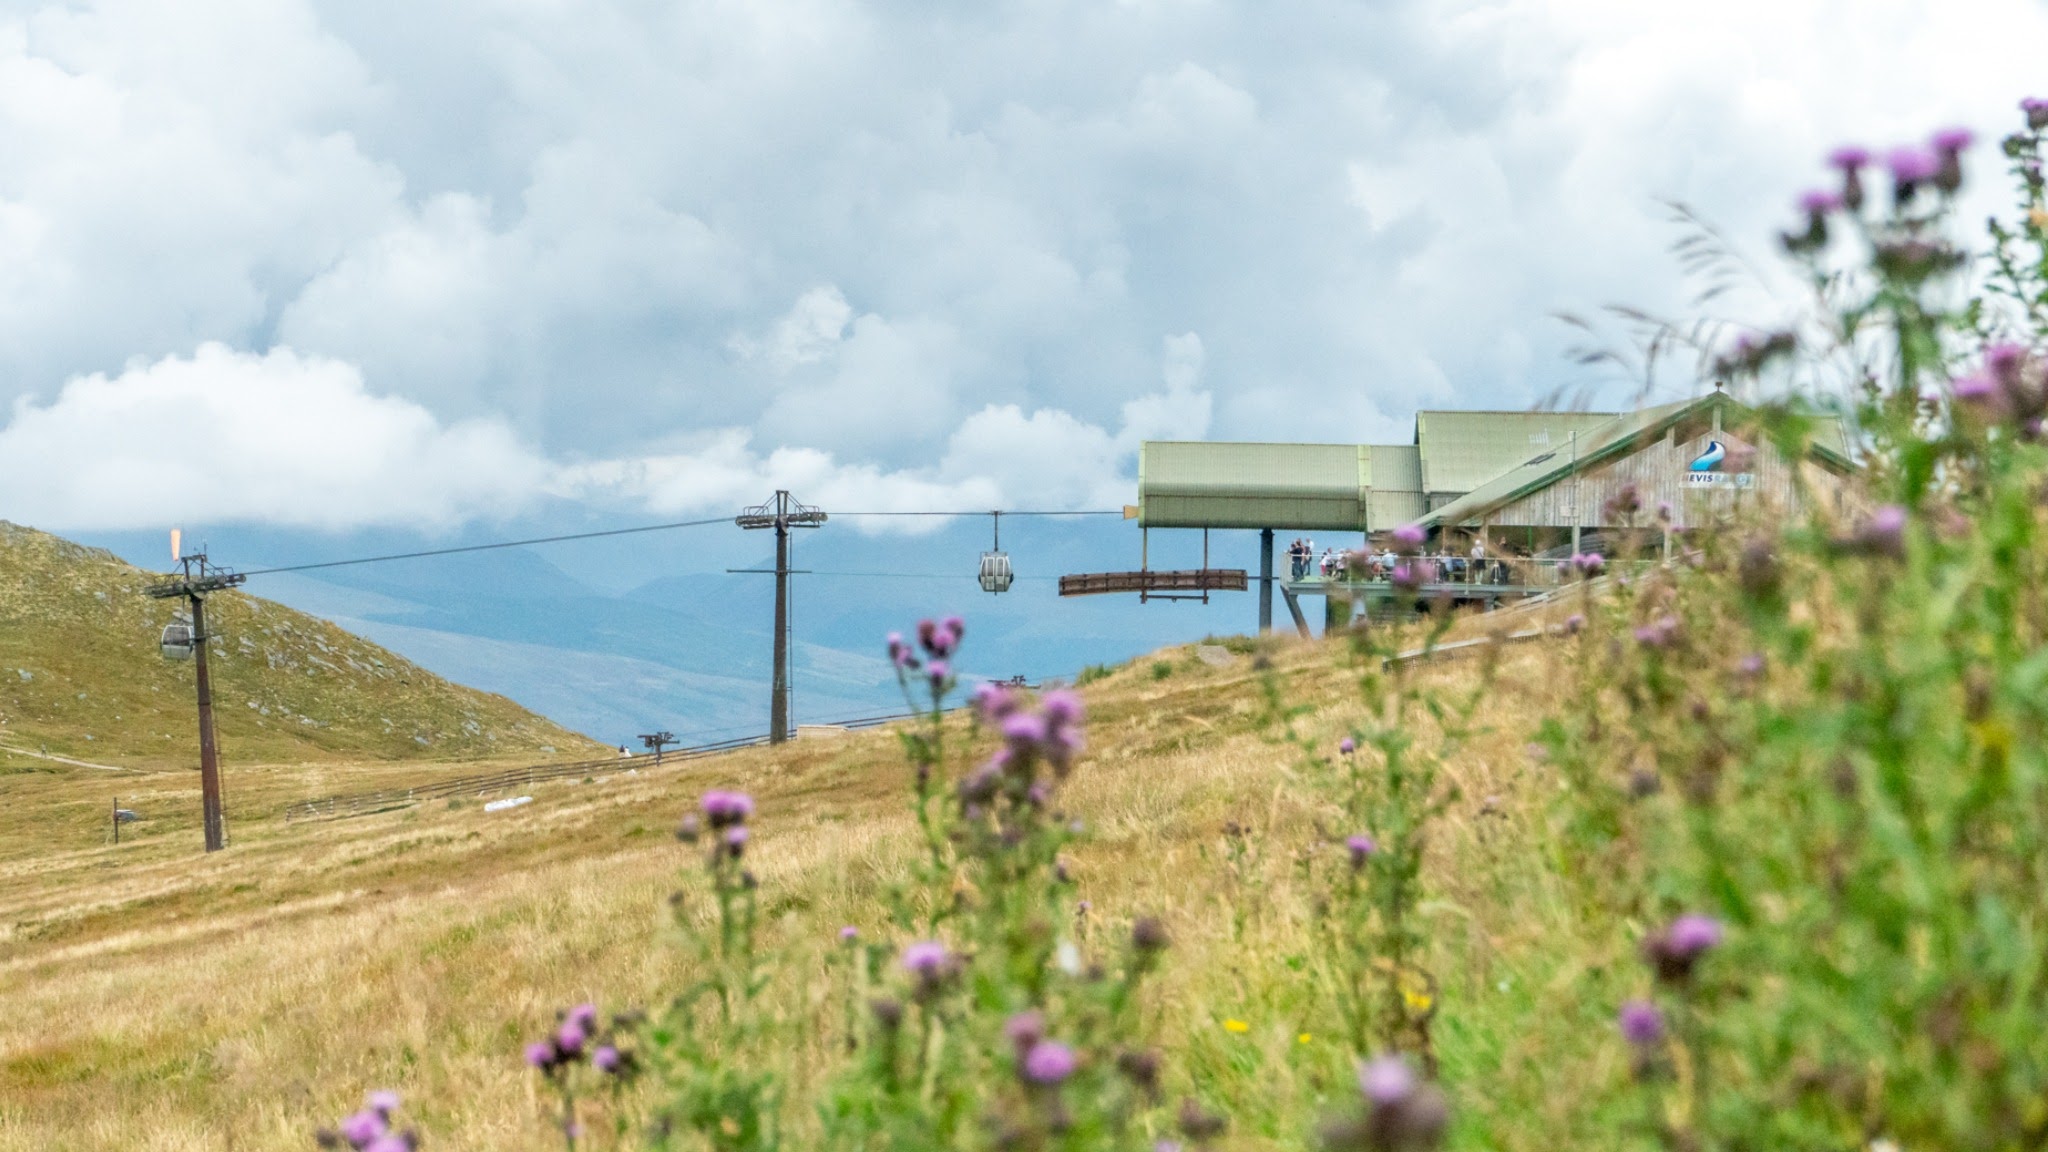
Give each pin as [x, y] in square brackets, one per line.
[1235, 1025]
[1302, 1039]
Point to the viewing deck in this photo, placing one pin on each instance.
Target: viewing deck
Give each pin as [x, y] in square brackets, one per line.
[1501, 581]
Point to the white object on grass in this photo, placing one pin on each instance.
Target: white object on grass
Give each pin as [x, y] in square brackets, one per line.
[501, 805]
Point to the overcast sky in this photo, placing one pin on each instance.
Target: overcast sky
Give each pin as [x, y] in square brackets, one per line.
[425, 263]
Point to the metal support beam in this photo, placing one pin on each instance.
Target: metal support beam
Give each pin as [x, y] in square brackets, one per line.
[1294, 607]
[1265, 581]
[778, 709]
[209, 752]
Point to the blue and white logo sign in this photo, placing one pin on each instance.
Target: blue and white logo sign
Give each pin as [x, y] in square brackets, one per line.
[1705, 470]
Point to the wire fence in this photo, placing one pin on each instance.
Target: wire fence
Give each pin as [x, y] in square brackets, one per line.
[349, 804]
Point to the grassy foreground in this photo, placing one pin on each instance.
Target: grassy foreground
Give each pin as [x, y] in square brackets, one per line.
[161, 1000]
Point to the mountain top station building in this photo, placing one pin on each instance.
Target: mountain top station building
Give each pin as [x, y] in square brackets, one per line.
[1529, 489]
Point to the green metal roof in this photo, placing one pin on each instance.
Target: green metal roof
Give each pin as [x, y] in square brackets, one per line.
[1331, 487]
[1187, 484]
[1462, 450]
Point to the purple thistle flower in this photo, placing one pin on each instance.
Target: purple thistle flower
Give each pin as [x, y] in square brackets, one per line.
[2037, 112]
[1406, 576]
[1025, 1029]
[2004, 361]
[1676, 950]
[736, 840]
[1024, 731]
[995, 702]
[390, 1142]
[1588, 563]
[938, 670]
[585, 1015]
[1360, 848]
[1574, 624]
[1409, 537]
[570, 1038]
[364, 1127]
[540, 1054]
[1659, 633]
[924, 958]
[1347, 746]
[1977, 390]
[936, 637]
[1912, 165]
[606, 1059]
[1952, 140]
[1641, 1023]
[724, 808]
[849, 934]
[957, 626]
[1386, 1081]
[1818, 202]
[1062, 708]
[1049, 1062]
[1692, 934]
[385, 1102]
[1751, 665]
[900, 653]
[1884, 533]
[1849, 158]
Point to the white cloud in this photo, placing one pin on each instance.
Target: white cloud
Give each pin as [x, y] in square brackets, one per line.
[223, 436]
[847, 242]
[812, 328]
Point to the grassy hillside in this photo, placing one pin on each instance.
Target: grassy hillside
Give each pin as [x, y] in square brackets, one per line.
[81, 676]
[264, 989]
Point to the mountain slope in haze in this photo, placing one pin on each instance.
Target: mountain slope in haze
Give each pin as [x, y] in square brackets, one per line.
[81, 675]
[607, 666]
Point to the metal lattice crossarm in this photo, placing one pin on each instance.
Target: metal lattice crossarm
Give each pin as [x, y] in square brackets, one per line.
[195, 578]
[786, 511]
[184, 586]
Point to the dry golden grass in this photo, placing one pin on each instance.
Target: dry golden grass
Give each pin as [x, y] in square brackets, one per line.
[159, 999]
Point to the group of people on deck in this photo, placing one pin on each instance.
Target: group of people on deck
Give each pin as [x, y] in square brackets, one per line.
[1302, 559]
[1378, 563]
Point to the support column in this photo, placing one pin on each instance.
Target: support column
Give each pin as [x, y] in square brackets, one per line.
[209, 754]
[778, 712]
[1265, 581]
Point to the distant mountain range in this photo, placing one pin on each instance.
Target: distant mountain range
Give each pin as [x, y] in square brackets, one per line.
[616, 638]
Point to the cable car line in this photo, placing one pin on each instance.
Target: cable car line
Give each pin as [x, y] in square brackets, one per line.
[489, 547]
[988, 511]
[629, 532]
[915, 575]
